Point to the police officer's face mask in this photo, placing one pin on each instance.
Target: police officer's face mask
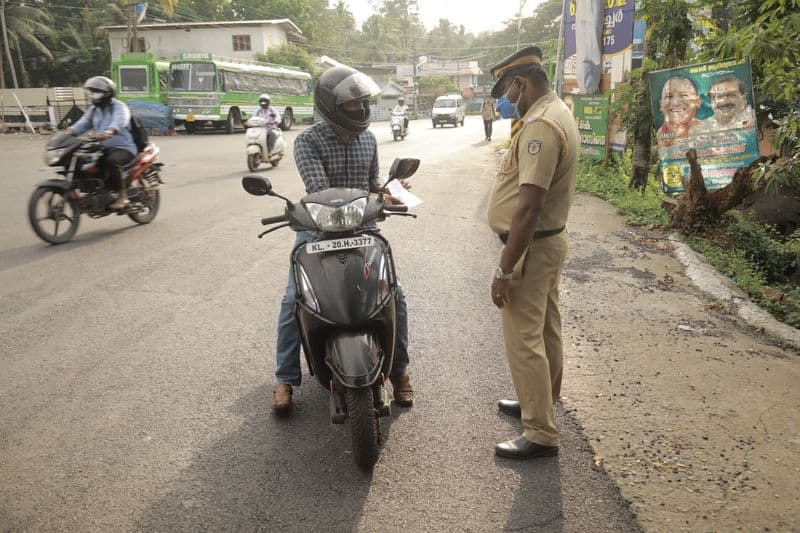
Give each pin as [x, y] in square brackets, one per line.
[507, 108]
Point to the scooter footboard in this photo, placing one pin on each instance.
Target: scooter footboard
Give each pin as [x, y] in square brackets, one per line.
[355, 358]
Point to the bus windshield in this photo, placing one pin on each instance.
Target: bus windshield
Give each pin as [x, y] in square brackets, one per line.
[133, 79]
[192, 77]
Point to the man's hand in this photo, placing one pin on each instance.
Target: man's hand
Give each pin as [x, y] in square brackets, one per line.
[391, 200]
[499, 292]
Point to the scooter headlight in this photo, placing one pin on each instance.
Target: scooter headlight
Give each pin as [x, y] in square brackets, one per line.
[343, 218]
[52, 157]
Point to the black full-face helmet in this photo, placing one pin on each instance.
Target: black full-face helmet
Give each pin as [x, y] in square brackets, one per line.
[100, 89]
[338, 86]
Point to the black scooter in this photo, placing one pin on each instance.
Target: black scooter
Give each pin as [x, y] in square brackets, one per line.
[346, 299]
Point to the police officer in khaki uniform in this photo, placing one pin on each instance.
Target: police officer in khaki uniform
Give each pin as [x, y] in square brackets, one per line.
[528, 209]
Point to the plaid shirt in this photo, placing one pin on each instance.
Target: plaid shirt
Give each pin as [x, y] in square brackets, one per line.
[325, 161]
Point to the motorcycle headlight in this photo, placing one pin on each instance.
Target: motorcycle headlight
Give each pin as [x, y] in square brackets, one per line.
[52, 157]
[343, 218]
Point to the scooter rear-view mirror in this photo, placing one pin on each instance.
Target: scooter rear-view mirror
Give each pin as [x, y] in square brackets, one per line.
[403, 168]
[257, 185]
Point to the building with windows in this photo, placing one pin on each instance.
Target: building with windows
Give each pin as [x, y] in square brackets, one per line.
[236, 39]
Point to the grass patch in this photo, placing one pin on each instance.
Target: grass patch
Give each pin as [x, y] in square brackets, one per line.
[611, 184]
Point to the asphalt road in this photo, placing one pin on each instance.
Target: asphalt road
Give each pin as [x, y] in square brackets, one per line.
[136, 363]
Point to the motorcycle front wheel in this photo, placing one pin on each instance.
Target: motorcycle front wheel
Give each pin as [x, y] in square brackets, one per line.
[53, 215]
[364, 426]
[253, 162]
[148, 209]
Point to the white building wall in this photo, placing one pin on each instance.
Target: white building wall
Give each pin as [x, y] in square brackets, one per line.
[216, 41]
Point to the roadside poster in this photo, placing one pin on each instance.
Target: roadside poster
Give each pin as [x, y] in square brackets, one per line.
[591, 115]
[708, 107]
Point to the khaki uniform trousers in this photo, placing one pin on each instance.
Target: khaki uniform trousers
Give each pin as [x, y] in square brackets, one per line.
[532, 335]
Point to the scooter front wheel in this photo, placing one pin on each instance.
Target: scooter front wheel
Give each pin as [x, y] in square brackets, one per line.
[364, 426]
[253, 162]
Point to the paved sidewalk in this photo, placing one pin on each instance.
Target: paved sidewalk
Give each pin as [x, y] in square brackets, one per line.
[692, 411]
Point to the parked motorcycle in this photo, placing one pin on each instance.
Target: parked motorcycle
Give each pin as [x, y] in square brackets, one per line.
[398, 123]
[346, 299]
[56, 204]
[256, 138]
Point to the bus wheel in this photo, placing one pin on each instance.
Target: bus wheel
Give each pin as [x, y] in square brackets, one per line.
[288, 120]
[230, 123]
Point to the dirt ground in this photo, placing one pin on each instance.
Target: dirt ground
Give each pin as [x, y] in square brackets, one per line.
[689, 410]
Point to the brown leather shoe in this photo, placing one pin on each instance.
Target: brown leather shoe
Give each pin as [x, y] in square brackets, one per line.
[403, 393]
[281, 401]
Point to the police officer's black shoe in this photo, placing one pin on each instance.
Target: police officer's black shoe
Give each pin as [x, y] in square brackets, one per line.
[522, 448]
[510, 407]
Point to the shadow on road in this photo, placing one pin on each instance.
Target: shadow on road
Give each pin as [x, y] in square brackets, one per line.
[273, 474]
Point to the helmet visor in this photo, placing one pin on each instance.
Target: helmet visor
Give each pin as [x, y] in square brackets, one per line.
[354, 87]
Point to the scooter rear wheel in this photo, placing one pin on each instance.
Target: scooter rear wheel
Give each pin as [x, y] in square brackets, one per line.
[364, 426]
[253, 162]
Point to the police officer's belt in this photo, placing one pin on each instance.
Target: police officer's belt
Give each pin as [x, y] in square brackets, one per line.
[536, 234]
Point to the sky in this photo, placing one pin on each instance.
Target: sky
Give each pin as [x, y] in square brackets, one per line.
[476, 16]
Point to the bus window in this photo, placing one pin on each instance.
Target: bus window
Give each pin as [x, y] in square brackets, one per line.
[192, 77]
[133, 79]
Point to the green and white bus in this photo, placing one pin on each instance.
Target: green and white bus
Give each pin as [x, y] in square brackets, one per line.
[204, 90]
[141, 76]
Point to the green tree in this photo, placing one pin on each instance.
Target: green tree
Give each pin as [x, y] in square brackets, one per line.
[23, 27]
[289, 54]
[336, 31]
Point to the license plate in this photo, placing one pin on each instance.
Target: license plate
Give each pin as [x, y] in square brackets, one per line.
[190, 118]
[338, 244]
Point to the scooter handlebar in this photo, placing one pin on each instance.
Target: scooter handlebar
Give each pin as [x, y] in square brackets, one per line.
[396, 208]
[273, 220]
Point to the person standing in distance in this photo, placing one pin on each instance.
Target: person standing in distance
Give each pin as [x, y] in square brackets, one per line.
[336, 152]
[528, 208]
[110, 120]
[487, 113]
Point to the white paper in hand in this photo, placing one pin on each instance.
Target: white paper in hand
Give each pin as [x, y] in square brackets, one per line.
[397, 190]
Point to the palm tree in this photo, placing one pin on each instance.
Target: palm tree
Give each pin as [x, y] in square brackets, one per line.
[20, 25]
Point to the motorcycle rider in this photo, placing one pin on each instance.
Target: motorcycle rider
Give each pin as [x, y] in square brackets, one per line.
[336, 152]
[110, 120]
[402, 109]
[270, 114]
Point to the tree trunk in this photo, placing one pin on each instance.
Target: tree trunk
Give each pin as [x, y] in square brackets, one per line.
[23, 74]
[699, 206]
[5, 44]
[2, 73]
[642, 138]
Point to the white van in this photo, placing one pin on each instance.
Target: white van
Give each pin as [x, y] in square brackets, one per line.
[448, 109]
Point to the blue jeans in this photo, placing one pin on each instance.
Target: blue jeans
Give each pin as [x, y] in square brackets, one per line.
[287, 352]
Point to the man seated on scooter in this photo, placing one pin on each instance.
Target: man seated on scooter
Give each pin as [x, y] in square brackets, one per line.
[270, 114]
[110, 120]
[402, 109]
[336, 152]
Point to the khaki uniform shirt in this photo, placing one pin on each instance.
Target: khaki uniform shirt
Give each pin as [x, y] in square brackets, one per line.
[545, 154]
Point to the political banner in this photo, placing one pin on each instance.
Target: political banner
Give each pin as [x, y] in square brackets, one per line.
[616, 42]
[591, 115]
[708, 107]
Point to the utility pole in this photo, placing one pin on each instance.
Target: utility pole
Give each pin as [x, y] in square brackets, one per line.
[519, 20]
[6, 45]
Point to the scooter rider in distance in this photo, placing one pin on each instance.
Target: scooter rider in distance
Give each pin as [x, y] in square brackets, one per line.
[272, 117]
[110, 120]
[336, 152]
[402, 109]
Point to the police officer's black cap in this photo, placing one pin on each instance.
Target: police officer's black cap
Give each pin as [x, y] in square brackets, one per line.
[521, 60]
